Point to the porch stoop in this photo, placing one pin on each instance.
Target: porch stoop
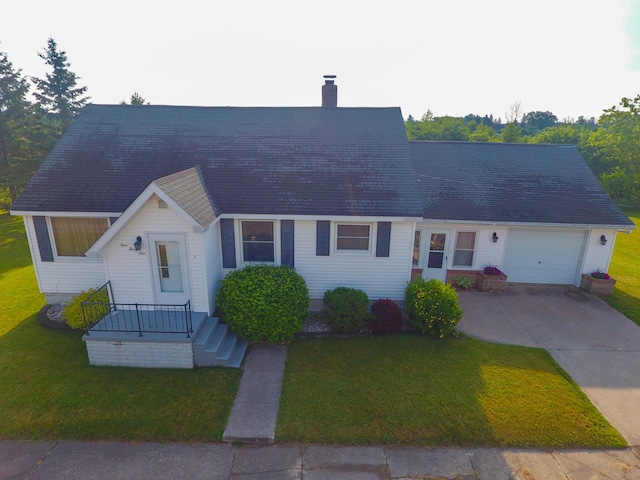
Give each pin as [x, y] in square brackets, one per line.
[214, 344]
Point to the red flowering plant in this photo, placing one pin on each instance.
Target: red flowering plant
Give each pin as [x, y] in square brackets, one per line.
[491, 270]
[600, 275]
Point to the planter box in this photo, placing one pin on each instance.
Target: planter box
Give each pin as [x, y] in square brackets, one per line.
[492, 283]
[597, 286]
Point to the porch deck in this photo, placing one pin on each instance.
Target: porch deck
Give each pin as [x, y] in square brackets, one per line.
[147, 325]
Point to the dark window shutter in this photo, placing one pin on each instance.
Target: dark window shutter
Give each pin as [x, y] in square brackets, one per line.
[228, 240]
[323, 230]
[384, 239]
[42, 236]
[286, 238]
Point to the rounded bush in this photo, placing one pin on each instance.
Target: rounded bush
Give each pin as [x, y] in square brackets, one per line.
[264, 302]
[387, 316]
[432, 307]
[345, 309]
[72, 312]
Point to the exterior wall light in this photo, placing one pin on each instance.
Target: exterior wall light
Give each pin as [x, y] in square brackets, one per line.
[495, 237]
[603, 240]
[138, 244]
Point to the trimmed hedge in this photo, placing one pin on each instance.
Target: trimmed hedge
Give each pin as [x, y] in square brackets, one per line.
[345, 309]
[432, 307]
[264, 302]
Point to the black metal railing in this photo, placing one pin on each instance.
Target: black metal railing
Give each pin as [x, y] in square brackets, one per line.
[103, 315]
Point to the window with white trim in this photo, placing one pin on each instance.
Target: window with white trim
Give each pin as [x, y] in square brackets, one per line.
[73, 236]
[465, 247]
[258, 241]
[353, 237]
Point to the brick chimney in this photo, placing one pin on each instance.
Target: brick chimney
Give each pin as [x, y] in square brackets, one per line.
[329, 92]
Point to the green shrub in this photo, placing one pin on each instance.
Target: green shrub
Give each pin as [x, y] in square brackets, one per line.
[432, 307]
[345, 309]
[386, 316]
[264, 302]
[72, 312]
[464, 282]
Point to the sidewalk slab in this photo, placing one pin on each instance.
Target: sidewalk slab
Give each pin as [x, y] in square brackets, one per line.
[440, 462]
[124, 461]
[17, 459]
[255, 410]
[268, 462]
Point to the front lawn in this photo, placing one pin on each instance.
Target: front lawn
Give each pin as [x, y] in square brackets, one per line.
[625, 268]
[407, 389]
[49, 391]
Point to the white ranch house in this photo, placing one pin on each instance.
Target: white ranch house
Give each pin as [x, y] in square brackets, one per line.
[161, 202]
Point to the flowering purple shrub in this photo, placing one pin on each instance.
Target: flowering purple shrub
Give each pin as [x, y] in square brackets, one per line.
[600, 275]
[490, 270]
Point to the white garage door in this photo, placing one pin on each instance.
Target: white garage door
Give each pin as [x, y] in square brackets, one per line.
[543, 256]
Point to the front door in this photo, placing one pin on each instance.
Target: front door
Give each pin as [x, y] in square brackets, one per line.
[169, 269]
[437, 254]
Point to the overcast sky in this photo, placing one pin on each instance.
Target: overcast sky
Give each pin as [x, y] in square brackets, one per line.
[571, 57]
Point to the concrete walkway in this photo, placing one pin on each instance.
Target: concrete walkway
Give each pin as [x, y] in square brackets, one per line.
[255, 409]
[596, 345]
[124, 461]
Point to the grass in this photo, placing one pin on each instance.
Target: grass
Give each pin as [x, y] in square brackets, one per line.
[625, 266]
[48, 390]
[346, 391]
[408, 389]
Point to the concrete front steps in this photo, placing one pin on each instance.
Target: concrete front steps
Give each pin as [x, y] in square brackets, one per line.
[215, 345]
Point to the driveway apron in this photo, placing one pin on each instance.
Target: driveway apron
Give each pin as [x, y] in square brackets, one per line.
[595, 344]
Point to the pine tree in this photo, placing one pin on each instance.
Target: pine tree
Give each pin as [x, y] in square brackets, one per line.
[14, 112]
[57, 93]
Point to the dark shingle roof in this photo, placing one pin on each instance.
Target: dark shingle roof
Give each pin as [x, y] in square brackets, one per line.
[304, 161]
[495, 182]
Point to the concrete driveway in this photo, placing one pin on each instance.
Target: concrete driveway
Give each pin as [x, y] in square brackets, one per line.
[595, 344]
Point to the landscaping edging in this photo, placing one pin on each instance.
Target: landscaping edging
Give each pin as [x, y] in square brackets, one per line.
[47, 322]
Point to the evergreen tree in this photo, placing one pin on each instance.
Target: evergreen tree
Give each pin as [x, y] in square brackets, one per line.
[57, 93]
[14, 112]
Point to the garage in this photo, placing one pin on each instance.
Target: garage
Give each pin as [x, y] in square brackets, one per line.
[544, 256]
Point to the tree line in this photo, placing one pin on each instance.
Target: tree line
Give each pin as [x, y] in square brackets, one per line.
[610, 145]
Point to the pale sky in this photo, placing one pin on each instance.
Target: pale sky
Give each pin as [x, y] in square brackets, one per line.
[454, 57]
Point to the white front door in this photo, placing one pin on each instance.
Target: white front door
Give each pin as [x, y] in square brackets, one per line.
[436, 254]
[169, 263]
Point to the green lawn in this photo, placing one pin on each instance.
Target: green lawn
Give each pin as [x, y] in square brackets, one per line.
[408, 389]
[49, 391]
[625, 268]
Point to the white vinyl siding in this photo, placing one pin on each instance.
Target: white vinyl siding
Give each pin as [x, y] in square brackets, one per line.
[598, 256]
[63, 277]
[551, 256]
[379, 277]
[213, 262]
[131, 272]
